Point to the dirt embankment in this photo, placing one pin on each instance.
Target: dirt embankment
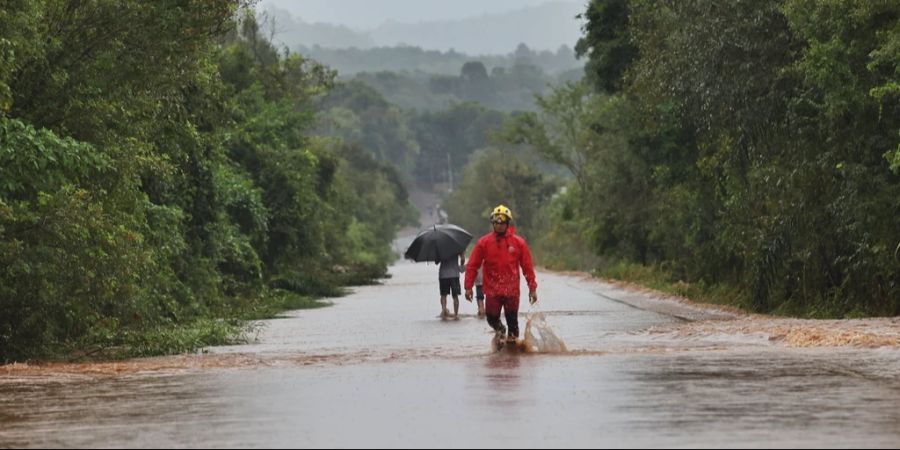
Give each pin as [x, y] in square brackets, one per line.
[790, 332]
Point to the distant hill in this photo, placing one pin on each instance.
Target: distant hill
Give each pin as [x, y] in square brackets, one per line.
[543, 27]
[503, 89]
[350, 61]
[507, 53]
[294, 32]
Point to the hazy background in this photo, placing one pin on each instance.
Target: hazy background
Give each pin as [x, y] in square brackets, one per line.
[471, 27]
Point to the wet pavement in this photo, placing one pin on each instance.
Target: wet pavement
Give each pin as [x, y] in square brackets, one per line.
[380, 369]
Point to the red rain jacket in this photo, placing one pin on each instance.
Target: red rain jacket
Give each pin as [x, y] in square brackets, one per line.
[502, 256]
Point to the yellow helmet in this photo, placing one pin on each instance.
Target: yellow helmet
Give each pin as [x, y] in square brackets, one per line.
[501, 212]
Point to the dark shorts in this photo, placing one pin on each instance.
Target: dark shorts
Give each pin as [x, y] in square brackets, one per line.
[450, 285]
[479, 292]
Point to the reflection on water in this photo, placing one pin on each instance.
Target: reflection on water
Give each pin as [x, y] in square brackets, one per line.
[502, 378]
[378, 369]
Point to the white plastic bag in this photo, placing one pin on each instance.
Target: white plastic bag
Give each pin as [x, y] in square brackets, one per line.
[539, 337]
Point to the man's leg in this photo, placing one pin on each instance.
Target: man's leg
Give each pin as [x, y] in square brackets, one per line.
[511, 307]
[445, 291]
[512, 320]
[492, 312]
[456, 290]
[479, 294]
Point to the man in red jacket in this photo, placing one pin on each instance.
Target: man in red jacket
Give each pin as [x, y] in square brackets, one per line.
[502, 253]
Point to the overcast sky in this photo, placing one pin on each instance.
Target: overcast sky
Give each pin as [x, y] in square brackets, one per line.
[368, 14]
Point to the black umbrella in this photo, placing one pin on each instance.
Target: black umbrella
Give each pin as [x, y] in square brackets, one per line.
[438, 243]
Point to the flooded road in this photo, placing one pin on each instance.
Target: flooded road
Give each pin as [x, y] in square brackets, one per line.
[380, 369]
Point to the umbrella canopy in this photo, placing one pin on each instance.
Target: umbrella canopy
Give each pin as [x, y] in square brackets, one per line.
[438, 243]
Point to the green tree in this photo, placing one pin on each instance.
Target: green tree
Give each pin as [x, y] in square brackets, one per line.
[361, 116]
[474, 71]
[158, 179]
[758, 132]
[607, 43]
[496, 176]
[450, 137]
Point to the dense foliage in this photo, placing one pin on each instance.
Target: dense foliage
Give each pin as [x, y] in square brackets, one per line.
[158, 173]
[753, 146]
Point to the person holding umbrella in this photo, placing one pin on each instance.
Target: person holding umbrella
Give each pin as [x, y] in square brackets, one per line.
[501, 254]
[445, 245]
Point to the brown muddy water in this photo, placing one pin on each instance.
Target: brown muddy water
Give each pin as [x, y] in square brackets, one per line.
[380, 369]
